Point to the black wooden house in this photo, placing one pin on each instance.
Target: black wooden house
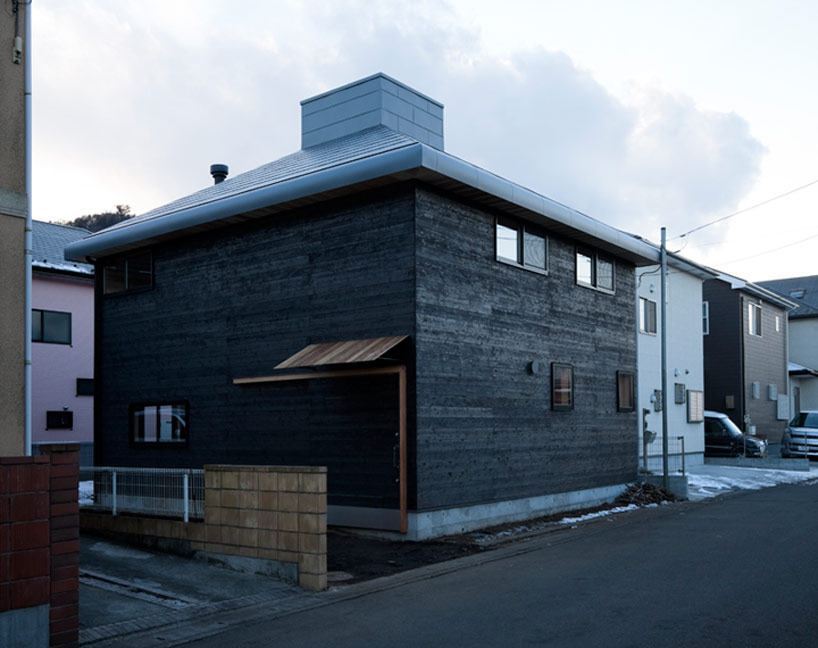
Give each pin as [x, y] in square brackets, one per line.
[457, 349]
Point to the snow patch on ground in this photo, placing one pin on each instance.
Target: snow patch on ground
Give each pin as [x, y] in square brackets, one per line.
[86, 493]
[709, 481]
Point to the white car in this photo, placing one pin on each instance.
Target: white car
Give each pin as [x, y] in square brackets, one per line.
[801, 435]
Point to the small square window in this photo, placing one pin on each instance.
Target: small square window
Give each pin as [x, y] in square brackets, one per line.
[562, 386]
[130, 274]
[624, 391]
[59, 420]
[594, 271]
[521, 244]
[85, 386]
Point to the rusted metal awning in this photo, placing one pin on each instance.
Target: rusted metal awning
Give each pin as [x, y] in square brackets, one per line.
[330, 353]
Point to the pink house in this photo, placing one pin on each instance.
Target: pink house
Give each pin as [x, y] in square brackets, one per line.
[62, 349]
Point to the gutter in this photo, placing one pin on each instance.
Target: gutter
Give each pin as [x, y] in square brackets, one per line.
[28, 236]
[419, 160]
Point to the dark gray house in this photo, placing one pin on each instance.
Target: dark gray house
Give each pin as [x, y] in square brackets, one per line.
[745, 354]
[457, 349]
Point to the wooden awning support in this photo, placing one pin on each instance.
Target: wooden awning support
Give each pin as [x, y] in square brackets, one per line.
[400, 370]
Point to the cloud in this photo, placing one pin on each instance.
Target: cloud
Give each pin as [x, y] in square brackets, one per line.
[139, 98]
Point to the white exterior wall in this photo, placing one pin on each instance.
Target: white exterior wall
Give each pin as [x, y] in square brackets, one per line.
[684, 357]
[804, 351]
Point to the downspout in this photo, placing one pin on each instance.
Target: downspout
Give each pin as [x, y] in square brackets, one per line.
[28, 237]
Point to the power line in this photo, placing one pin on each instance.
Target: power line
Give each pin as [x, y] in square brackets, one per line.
[809, 238]
[746, 209]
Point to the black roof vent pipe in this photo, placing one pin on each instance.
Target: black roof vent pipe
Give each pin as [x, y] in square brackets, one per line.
[219, 172]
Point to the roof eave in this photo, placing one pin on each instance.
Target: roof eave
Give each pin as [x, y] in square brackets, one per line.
[414, 161]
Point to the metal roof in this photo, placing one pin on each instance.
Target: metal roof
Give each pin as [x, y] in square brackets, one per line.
[48, 241]
[330, 353]
[803, 291]
[371, 158]
[737, 283]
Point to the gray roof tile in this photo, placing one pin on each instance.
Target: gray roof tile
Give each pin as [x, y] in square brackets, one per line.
[48, 247]
[807, 304]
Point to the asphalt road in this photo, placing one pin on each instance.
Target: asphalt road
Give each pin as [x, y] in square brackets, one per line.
[739, 570]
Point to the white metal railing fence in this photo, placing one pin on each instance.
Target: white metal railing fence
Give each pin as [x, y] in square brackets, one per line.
[165, 492]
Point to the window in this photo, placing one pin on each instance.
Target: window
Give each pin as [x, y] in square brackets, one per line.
[777, 324]
[521, 244]
[85, 386]
[128, 274]
[797, 293]
[594, 271]
[562, 386]
[50, 326]
[679, 393]
[624, 391]
[754, 319]
[705, 318]
[166, 423]
[59, 420]
[695, 406]
[647, 316]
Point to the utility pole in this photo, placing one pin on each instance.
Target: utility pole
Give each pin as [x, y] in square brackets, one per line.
[666, 479]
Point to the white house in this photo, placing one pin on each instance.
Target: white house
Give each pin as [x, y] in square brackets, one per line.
[685, 365]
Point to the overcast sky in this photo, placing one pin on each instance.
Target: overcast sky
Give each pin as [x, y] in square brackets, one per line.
[638, 113]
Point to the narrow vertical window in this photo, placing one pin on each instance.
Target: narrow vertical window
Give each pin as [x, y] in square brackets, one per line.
[585, 269]
[647, 316]
[754, 319]
[508, 242]
[705, 318]
[624, 391]
[562, 386]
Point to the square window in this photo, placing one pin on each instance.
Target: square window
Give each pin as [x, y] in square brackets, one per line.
[85, 386]
[159, 423]
[562, 386]
[130, 274]
[521, 244]
[647, 316]
[594, 271]
[624, 391]
[59, 420]
[50, 326]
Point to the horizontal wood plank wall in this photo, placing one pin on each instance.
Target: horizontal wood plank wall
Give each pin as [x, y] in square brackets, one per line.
[485, 430]
[235, 302]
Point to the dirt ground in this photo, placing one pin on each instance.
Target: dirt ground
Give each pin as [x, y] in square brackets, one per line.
[352, 557]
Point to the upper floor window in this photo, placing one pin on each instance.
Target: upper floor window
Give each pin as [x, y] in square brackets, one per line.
[521, 244]
[50, 326]
[594, 271]
[705, 318]
[647, 316]
[128, 274]
[754, 319]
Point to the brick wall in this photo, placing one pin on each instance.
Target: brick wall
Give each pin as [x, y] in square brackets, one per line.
[274, 514]
[39, 541]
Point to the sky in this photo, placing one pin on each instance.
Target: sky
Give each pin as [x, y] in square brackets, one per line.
[641, 114]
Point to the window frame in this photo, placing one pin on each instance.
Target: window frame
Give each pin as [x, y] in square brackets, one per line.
[643, 310]
[754, 318]
[65, 422]
[521, 228]
[629, 378]
[555, 368]
[126, 262]
[705, 318]
[158, 441]
[596, 260]
[38, 313]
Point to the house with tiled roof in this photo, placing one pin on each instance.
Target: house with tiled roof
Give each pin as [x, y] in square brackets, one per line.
[803, 329]
[62, 347]
[457, 349]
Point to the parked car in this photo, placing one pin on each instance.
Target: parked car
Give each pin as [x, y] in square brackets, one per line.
[802, 431]
[722, 438]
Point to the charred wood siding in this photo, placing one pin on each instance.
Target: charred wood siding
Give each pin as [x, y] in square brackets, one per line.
[485, 428]
[237, 301]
